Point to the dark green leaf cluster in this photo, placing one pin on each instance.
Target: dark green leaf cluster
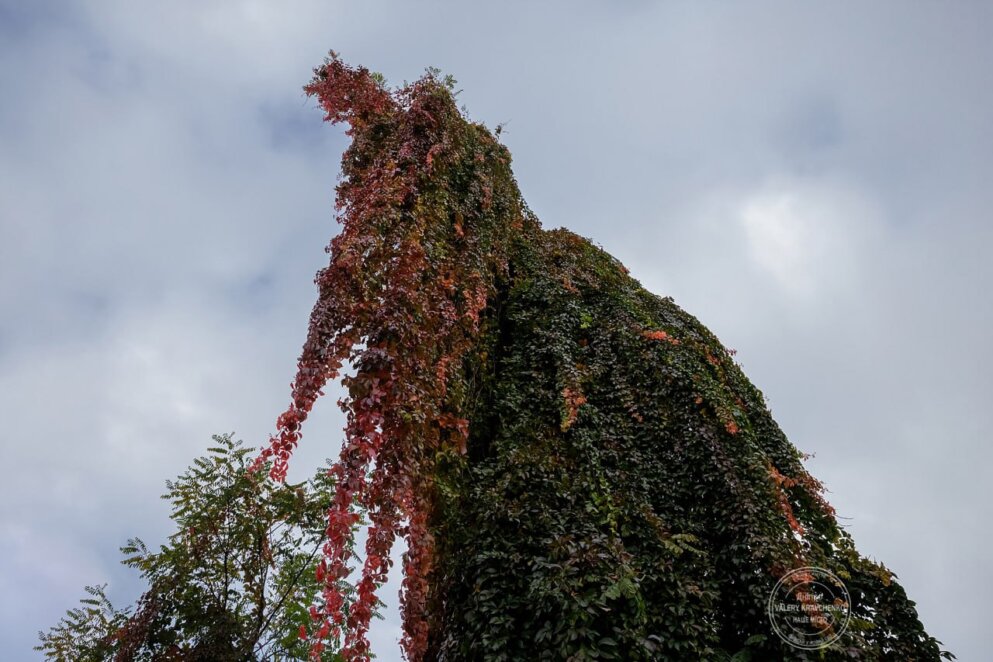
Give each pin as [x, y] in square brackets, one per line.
[626, 493]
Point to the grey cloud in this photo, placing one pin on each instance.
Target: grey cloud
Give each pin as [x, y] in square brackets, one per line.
[166, 193]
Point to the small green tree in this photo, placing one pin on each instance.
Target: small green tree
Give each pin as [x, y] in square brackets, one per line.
[236, 581]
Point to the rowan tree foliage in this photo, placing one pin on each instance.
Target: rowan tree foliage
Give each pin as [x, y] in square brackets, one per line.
[579, 467]
[235, 581]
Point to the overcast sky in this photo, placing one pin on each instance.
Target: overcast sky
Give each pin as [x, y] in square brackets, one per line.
[811, 180]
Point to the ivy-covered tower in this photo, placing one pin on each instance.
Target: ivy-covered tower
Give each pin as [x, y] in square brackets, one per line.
[580, 469]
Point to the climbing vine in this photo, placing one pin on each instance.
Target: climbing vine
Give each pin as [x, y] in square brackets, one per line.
[578, 467]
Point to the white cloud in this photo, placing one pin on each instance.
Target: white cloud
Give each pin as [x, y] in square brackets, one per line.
[809, 236]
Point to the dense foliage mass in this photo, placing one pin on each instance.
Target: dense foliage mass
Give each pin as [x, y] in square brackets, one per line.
[234, 583]
[579, 468]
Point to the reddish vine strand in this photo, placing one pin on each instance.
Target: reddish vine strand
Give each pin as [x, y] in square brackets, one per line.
[403, 313]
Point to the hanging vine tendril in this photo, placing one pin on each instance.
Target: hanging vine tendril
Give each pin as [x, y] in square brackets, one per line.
[420, 198]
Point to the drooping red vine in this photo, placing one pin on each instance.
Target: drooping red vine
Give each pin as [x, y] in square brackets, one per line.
[400, 301]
